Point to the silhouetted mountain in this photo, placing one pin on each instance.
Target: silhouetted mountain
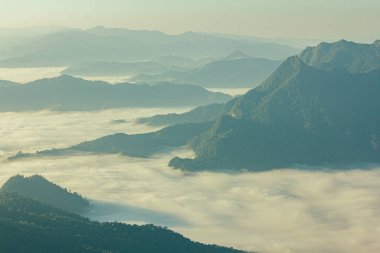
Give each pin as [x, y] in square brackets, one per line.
[68, 93]
[137, 145]
[299, 115]
[343, 55]
[197, 115]
[27, 225]
[38, 188]
[70, 46]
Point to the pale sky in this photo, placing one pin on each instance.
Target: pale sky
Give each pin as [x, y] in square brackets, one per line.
[321, 19]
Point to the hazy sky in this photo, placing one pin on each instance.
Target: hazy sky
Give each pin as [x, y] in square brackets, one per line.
[325, 19]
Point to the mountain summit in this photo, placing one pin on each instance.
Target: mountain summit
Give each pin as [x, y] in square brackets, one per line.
[304, 113]
[236, 55]
[343, 56]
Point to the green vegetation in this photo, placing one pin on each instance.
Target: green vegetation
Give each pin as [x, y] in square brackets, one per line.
[299, 115]
[27, 225]
[343, 56]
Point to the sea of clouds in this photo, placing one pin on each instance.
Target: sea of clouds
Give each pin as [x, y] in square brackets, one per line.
[289, 210]
[39, 130]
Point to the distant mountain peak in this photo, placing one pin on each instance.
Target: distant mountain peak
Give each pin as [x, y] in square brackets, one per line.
[39, 188]
[66, 77]
[344, 55]
[288, 70]
[343, 41]
[292, 65]
[377, 43]
[98, 27]
[295, 61]
[61, 78]
[236, 55]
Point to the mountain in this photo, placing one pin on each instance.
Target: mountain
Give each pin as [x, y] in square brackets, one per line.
[38, 188]
[143, 145]
[12, 37]
[70, 46]
[233, 71]
[137, 145]
[156, 66]
[299, 115]
[178, 61]
[196, 115]
[67, 47]
[4, 83]
[236, 55]
[344, 56]
[69, 93]
[27, 225]
[166, 76]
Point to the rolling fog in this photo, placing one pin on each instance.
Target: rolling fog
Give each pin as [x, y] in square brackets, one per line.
[278, 211]
[39, 130]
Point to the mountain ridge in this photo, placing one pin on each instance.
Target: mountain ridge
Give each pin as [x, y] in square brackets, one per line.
[70, 46]
[67, 93]
[299, 115]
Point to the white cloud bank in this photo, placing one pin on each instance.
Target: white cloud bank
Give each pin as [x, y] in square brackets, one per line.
[24, 75]
[32, 131]
[270, 212]
[277, 211]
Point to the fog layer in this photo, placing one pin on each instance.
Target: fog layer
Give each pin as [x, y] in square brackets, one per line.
[39, 130]
[278, 211]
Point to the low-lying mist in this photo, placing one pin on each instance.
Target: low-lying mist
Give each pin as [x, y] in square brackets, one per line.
[39, 130]
[277, 211]
[25, 75]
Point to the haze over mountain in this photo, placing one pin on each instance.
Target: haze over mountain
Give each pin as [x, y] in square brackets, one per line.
[299, 115]
[186, 125]
[69, 93]
[71, 46]
[159, 65]
[236, 70]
